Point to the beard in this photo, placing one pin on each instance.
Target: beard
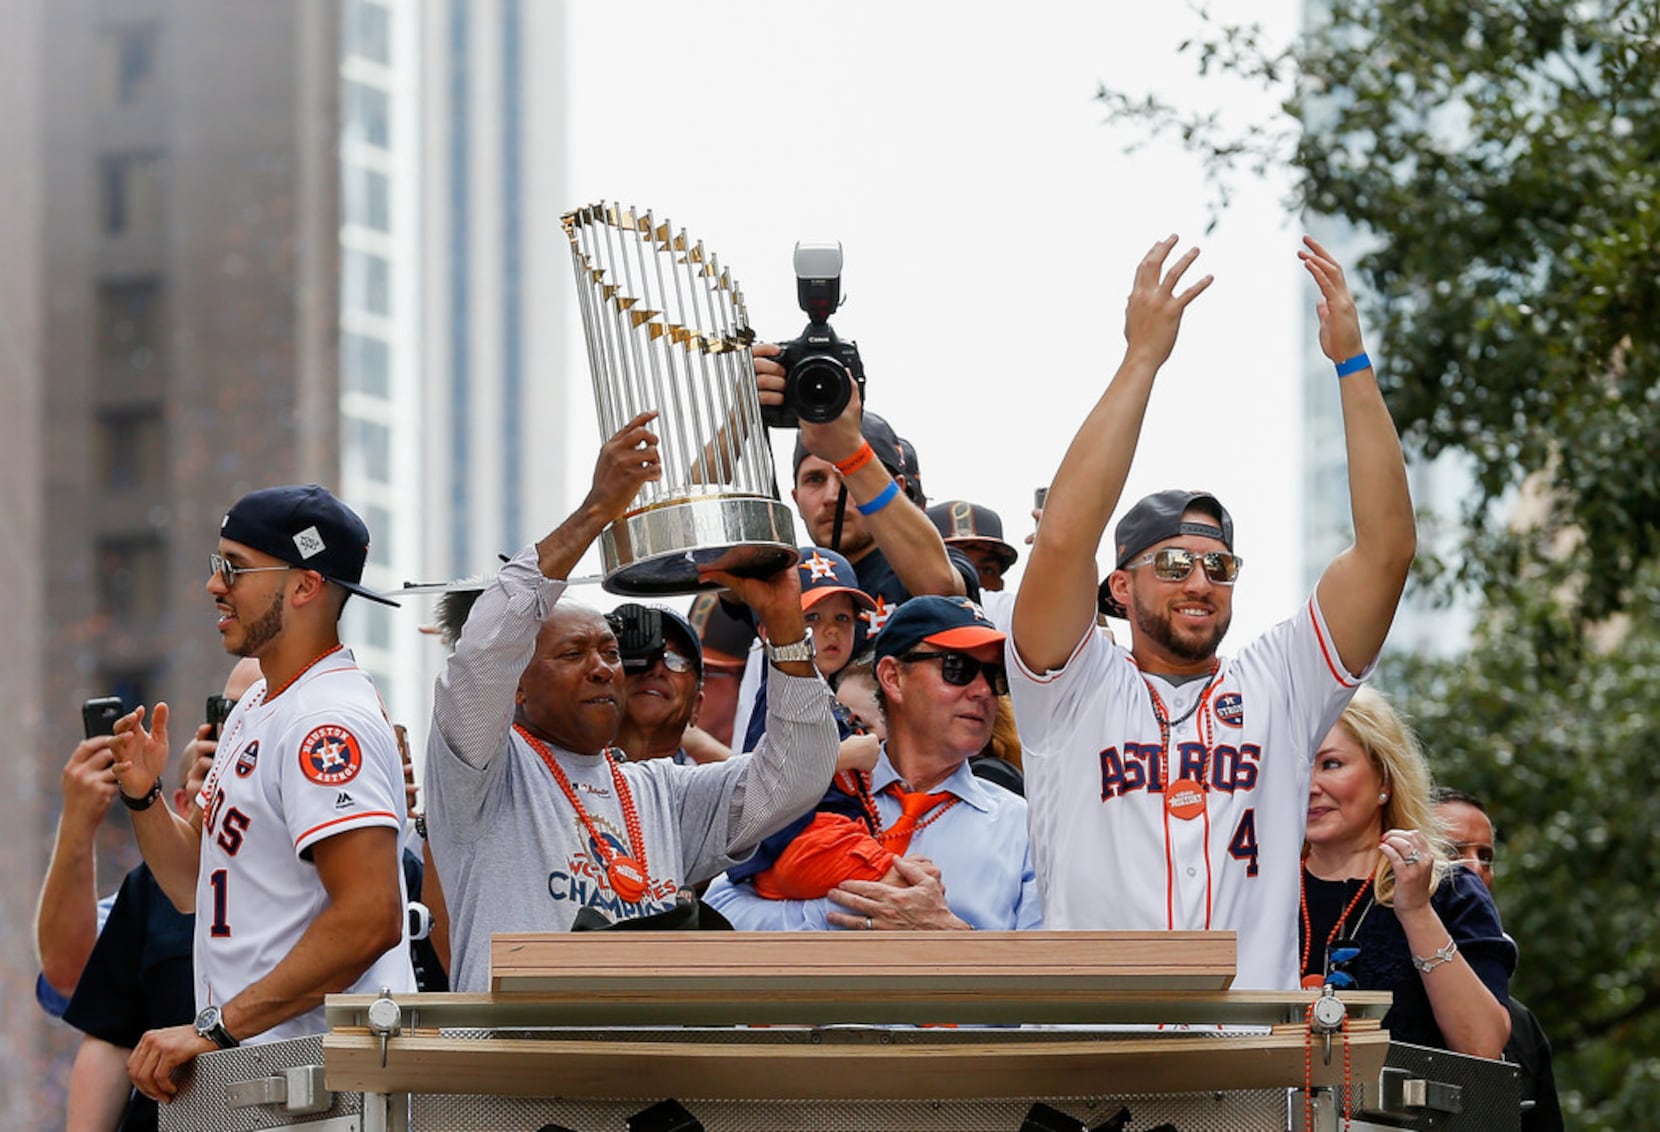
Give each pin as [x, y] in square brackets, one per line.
[261, 632]
[1192, 647]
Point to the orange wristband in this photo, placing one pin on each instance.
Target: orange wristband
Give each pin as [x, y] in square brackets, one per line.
[859, 459]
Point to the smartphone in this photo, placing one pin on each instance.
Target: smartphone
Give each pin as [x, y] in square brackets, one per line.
[1039, 497]
[219, 710]
[99, 715]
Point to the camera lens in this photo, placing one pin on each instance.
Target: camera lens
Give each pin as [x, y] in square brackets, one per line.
[821, 388]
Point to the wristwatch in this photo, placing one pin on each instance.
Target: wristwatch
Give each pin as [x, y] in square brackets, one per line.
[210, 1027]
[799, 650]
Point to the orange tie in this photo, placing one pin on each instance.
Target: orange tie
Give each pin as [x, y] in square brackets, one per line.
[897, 837]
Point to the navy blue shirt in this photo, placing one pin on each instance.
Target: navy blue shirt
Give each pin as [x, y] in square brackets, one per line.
[138, 977]
[1385, 961]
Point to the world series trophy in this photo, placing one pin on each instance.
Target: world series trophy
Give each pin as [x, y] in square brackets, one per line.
[666, 329]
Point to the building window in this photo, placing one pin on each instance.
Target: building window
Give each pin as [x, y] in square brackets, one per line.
[127, 63]
[368, 198]
[131, 448]
[368, 115]
[129, 321]
[366, 365]
[367, 451]
[130, 580]
[379, 522]
[132, 686]
[134, 194]
[377, 626]
[368, 282]
[368, 30]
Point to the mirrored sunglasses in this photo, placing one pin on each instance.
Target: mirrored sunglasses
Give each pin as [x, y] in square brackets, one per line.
[219, 564]
[1174, 564]
[676, 661]
[959, 669]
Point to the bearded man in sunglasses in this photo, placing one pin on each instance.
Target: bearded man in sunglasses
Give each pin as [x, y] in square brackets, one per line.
[1168, 786]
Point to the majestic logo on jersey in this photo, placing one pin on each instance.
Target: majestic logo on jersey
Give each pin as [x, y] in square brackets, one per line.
[246, 760]
[330, 756]
[343, 801]
[1230, 709]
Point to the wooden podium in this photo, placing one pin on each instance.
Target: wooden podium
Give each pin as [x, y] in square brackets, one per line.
[916, 1026]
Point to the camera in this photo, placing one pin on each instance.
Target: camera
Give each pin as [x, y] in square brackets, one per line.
[817, 363]
[639, 632]
[98, 715]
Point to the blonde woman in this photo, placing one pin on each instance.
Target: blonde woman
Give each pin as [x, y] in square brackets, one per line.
[1383, 907]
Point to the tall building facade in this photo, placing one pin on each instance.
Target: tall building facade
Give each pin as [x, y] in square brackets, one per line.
[253, 243]
[174, 260]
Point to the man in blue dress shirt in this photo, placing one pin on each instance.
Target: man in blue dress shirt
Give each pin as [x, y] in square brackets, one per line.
[962, 856]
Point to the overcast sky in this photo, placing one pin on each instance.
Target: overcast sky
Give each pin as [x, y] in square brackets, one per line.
[991, 224]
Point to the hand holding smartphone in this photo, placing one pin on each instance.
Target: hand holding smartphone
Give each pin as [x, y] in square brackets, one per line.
[98, 715]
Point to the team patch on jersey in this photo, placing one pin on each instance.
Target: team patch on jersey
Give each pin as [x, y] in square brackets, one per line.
[247, 759]
[1230, 709]
[330, 755]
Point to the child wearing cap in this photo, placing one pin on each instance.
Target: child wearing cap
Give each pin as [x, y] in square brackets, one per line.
[833, 843]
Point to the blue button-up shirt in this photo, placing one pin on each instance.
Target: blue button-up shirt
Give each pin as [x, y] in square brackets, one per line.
[979, 844]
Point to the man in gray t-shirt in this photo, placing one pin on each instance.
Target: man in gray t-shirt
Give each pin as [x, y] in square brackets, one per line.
[529, 816]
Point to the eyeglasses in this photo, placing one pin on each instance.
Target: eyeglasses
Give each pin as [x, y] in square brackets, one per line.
[219, 564]
[1470, 851]
[676, 662]
[959, 669]
[1174, 564]
[1340, 955]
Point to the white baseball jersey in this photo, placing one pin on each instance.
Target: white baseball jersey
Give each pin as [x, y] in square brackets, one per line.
[1201, 833]
[318, 760]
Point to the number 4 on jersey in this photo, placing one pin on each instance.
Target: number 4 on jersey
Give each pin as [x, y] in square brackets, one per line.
[1243, 847]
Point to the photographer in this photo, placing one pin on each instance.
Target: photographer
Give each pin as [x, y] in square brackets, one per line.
[663, 667]
[849, 466]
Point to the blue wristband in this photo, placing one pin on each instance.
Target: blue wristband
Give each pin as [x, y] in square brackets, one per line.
[1354, 365]
[883, 498]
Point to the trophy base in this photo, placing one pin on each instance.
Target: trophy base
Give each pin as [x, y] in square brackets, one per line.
[657, 552]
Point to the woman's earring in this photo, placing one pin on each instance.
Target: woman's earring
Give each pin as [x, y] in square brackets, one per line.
[1382, 798]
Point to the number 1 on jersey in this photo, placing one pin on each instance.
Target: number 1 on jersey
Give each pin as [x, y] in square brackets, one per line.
[220, 929]
[1243, 847]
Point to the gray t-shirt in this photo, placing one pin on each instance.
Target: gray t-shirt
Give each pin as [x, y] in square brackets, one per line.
[512, 852]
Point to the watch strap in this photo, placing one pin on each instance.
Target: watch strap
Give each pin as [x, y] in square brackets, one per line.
[138, 805]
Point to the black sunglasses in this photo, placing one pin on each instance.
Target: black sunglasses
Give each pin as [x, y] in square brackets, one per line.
[959, 669]
[1340, 956]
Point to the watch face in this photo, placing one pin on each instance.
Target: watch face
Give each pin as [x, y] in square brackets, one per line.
[207, 1019]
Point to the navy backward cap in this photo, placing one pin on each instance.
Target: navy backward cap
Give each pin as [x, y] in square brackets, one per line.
[304, 525]
[1154, 519]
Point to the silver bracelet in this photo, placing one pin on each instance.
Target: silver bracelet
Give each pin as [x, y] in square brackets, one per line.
[1445, 955]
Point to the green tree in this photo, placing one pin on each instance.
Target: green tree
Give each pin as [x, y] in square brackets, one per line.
[1500, 162]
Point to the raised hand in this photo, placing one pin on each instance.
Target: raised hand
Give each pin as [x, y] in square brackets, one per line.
[89, 783]
[1153, 313]
[1339, 320]
[627, 462]
[140, 753]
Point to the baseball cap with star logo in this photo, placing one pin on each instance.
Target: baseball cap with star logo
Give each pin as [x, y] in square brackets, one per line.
[825, 572]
